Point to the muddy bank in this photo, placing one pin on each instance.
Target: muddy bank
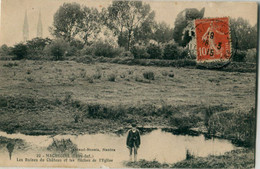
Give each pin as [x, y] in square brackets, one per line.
[33, 116]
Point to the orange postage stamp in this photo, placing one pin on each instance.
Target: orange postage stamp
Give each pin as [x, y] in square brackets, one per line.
[213, 39]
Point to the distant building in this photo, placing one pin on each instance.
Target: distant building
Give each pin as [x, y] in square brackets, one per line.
[39, 26]
[25, 28]
[190, 14]
[192, 45]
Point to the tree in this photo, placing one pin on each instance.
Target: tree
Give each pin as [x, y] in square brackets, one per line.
[144, 33]
[184, 18]
[67, 21]
[126, 16]
[243, 35]
[162, 33]
[90, 25]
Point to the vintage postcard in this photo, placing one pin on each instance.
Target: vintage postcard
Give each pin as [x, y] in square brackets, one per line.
[128, 84]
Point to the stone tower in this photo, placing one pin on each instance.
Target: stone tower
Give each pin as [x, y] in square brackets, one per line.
[25, 28]
[39, 26]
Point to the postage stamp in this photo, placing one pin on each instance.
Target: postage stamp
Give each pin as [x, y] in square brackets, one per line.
[213, 39]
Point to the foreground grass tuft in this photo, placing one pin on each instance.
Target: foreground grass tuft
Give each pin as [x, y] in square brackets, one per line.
[146, 164]
[242, 158]
[63, 145]
[149, 75]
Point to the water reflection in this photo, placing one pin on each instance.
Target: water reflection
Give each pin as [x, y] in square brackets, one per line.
[10, 148]
[164, 145]
[63, 146]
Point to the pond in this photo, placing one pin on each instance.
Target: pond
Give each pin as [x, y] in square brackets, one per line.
[110, 149]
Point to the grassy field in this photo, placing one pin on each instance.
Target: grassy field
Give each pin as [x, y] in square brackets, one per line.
[66, 96]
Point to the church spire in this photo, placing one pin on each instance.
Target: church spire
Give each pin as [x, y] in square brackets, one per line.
[25, 28]
[39, 26]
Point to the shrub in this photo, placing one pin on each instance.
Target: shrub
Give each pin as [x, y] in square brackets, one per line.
[90, 79]
[5, 50]
[103, 112]
[171, 75]
[20, 51]
[239, 56]
[127, 54]
[154, 50]
[184, 122]
[112, 78]
[10, 64]
[189, 155]
[172, 51]
[165, 73]
[57, 49]
[139, 79]
[98, 74]
[140, 52]
[184, 53]
[77, 44]
[148, 75]
[251, 55]
[37, 45]
[87, 50]
[75, 48]
[105, 49]
[72, 51]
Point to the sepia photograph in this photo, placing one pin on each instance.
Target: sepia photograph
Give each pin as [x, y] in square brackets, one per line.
[128, 84]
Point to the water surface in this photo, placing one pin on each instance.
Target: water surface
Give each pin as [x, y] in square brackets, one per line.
[159, 145]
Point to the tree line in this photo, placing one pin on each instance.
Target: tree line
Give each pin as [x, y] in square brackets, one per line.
[124, 28]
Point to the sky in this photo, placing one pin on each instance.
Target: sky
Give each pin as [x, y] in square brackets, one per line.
[13, 12]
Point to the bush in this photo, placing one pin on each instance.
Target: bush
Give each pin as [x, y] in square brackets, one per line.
[100, 48]
[103, 112]
[172, 51]
[155, 51]
[57, 48]
[72, 51]
[77, 44]
[251, 55]
[148, 75]
[185, 53]
[10, 65]
[75, 48]
[20, 51]
[237, 126]
[127, 54]
[5, 50]
[87, 50]
[37, 45]
[140, 52]
[184, 122]
[239, 56]
[106, 50]
[112, 78]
